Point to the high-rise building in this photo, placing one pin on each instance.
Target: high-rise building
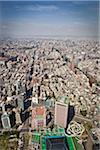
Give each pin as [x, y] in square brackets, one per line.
[61, 114]
[2, 106]
[35, 83]
[18, 86]
[72, 65]
[38, 117]
[35, 99]
[20, 101]
[17, 116]
[5, 121]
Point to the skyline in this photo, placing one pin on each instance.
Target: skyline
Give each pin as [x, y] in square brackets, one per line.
[49, 18]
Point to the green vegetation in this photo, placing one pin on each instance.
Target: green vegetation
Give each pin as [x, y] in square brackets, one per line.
[83, 112]
[88, 126]
[3, 142]
[26, 140]
[76, 144]
[6, 144]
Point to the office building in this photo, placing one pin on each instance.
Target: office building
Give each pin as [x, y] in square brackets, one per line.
[61, 114]
[5, 121]
[20, 101]
[35, 99]
[38, 117]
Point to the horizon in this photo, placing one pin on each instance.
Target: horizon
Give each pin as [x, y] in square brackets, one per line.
[30, 19]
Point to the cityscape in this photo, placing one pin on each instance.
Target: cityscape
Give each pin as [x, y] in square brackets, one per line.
[49, 75]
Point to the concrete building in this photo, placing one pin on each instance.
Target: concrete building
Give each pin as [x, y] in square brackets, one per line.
[61, 114]
[38, 117]
[34, 99]
[5, 121]
[20, 101]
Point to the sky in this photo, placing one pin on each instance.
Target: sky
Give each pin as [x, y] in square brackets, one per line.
[27, 19]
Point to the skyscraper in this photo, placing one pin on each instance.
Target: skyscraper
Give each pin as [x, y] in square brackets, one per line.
[5, 121]
[61, 114]
[38, 117]
[20, 101]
